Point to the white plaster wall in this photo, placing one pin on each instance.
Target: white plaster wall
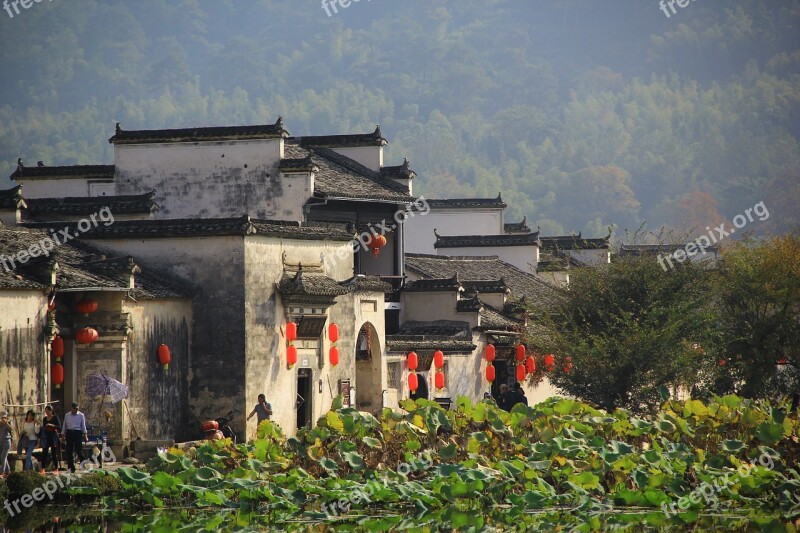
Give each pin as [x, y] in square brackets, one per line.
[431, 306]
[206, 179]
[24, 371]
[54, 188]
[524, 258]
[419, 237]
[369, 156]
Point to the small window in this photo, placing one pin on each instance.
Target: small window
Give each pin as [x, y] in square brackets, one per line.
[393, 372]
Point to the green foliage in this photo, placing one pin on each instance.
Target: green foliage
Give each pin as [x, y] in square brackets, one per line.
[19, 483]
[100, 483]
[558, 453]
[631, 330]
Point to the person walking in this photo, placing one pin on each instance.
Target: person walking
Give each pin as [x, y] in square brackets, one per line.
[51, 427]
[74, 431]
[263, 410]
[6, 433]
[29, 438]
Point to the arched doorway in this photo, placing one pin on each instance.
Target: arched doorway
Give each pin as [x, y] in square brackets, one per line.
[369, 370]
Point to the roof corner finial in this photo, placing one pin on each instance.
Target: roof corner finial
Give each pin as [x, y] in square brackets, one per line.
[279, 123]
[40, 163]
[377, 132]
[20, 166]
[118, 128]
[500, 196]
[524, 219]
[436, 233]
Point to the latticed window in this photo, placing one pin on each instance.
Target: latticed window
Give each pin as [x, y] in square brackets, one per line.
[393, 371]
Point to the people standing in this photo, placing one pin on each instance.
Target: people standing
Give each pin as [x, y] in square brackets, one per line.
[29, 438]
[519, 395]
[51, 427]
[503, 398]
[74, 431]
[6, 433]
[263, 410]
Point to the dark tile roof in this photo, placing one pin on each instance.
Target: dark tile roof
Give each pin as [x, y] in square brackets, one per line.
[305, 164]
[63, 172]
[359, 139]
[434, 285]
[517, 227]
[468, 305]
[118, 204]
[407, 343]
[79, 267]
[487, 286]
[309, 284]
[574, 242]
[368, 284]
[398, 172]
[468, 241]
[339, 177]
[467, 203]
[491, 318]
[655, 249]
[481, 268]
[213, 133]
[210, 227]
[12, 198]
[552, 263]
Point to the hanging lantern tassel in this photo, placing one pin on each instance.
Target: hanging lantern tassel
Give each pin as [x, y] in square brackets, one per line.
[413, 382]
[490, 373]
[439, 380]
[520, 372]
[164, 356]
[334, 356]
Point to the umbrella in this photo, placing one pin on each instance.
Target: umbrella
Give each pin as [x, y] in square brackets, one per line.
[101, 385]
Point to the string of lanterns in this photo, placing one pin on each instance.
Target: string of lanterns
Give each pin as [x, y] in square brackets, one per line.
[291, 349]
[333, 334]
[525, 363]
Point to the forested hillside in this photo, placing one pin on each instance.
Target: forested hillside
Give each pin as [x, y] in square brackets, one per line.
[583, 113]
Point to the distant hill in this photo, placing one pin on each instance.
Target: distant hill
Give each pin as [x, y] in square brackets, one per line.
[583, 113]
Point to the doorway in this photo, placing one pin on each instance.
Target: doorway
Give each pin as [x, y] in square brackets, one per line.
[304, 398]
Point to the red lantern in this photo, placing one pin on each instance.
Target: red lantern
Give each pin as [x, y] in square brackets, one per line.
[86, 306]
[567, 364]
[164, 356]
[412, 360]
[334, 355]
[520, 372]
[333, 332]
[490, 352]
[530, 364]
[439, 380]
[86, 335]
[413, 382]
[490, 373]
[57, 348]
[549, 362]
[520, 352]
[375, 243]
[783, 360]
[291, 331]
[438, 359]
[721, 362]
[58, 375]
[291, 355]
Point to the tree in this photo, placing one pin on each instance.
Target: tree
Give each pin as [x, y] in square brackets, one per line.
[631, 330]
[759, 286]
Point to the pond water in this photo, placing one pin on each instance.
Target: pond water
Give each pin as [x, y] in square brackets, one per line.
[74, 519]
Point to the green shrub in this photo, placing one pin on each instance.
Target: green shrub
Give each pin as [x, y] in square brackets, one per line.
[105, 483]
[21, 483]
